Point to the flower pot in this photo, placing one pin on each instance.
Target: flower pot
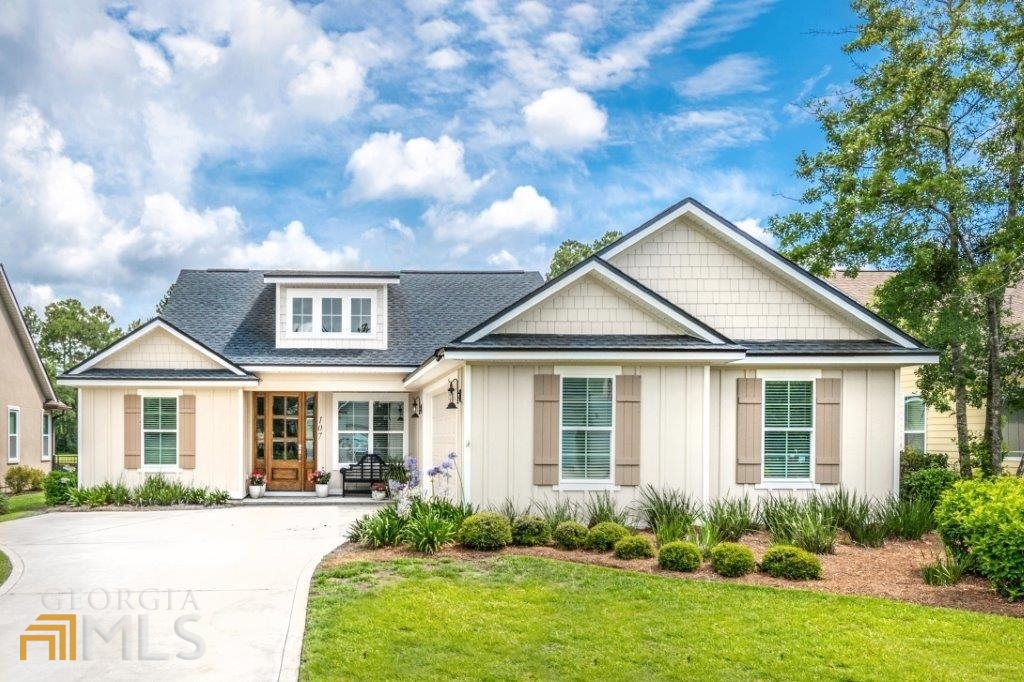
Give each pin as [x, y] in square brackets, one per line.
[321, 490]
[378, 494]
[256, 491]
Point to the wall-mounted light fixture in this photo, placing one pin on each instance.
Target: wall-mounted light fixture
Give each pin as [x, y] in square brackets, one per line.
[454, 394]
[415, 407]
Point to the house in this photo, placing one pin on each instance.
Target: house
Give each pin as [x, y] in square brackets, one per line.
[926, 428]
[686, 354]
[26, 395]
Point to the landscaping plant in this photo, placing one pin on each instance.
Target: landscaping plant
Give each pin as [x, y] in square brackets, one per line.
[633, 547]
[485, 531]
[928, 484]
[383, 529]
[731, 518]
[671, 530]
[657, 506]
[429, 530]
[510, 510]
[556, 510]
[569, 535]
[602, 508]
[705, 537]
[679, 556]
[807, 525]
[603, 536]
[859, 516]
[20, 479]
[530, 531]
[56, 486]
[791, 563]
[4, 504]
[908, 519]
[947, 569]
[732, 560]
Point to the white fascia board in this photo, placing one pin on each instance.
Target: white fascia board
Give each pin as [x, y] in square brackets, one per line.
[831, 360]
[155, 383]
[431, 372]
[147, 329]
[770, 258]
[596, 268]
[325, 369]
[302, 281]
[621, 356]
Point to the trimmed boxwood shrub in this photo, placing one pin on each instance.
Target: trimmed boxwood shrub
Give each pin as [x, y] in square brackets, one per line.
[529, 531]
[485, 530]
[732, 560]
[604, 535]
[791, 563]
[634, 547]
[57, 486]
[570, 535]
[679, 556]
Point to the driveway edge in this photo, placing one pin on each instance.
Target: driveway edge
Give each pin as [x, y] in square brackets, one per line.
[291, 655]
[17, 569]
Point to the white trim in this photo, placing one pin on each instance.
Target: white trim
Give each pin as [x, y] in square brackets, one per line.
[769, 257]
[13, 409]
[242, 446]
[333, 451]
[705, 439]
[420, 372]
[46, 453]
[317, 297]
[586, 487]
[766, 480]
[602, 270]
[901, 360]
[785, 484]
[163, 468]
[160, 392]
[594, 373]
[146, 329]
[788, 374]
[78, 434]
[588, 371]
[326, 369]
[903, 424]
[597, 355]
[467, 427]
[152, 383]
[318, 281]
[897, 435]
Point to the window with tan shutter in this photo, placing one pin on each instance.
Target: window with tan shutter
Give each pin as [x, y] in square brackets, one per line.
[788, 429]
[159, 432]
[587, 405]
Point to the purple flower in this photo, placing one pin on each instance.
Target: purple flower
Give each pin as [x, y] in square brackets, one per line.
[447, 464]
[452, 455]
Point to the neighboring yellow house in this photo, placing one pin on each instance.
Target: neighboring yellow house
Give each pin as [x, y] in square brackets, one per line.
[925, 427]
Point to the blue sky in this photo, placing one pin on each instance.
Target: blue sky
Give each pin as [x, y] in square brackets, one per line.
[140, 138]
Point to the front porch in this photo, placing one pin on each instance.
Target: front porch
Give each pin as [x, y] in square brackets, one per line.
[307, 499]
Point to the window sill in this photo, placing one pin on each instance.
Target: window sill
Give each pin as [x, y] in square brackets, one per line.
[787, 485]
[160, 470]
[586, 487]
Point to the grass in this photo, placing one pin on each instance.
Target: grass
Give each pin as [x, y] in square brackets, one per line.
[26, 504]
[512, 618]
[5, 568]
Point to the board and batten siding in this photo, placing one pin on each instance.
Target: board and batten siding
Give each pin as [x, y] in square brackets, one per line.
[218, 452]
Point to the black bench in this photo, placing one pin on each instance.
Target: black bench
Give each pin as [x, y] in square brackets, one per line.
[369, 469]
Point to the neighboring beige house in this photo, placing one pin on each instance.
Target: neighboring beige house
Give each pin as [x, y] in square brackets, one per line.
[926, 428]
[686, 354]
[26, 396]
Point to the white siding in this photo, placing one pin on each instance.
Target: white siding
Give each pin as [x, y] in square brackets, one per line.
[158, 349]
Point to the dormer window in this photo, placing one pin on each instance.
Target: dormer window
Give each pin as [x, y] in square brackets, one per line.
[328, 314]
[302, 314]
[361, 315]
[331, 315]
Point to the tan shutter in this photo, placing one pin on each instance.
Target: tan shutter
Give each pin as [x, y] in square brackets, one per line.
[627, 429]
[132, 431]
[187, 432]
[827, 445]
[546, 402]
[749, 427]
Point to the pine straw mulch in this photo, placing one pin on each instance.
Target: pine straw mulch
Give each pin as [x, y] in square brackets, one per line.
[892, 571]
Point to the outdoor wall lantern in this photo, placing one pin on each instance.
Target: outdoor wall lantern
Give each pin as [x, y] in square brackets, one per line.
[416, 406]
[454, 394]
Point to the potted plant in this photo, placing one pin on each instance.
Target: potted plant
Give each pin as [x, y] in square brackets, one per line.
[257, 484]
[321, 477]
[378, 490]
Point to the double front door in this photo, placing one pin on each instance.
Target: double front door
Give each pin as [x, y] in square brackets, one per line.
[285, 430]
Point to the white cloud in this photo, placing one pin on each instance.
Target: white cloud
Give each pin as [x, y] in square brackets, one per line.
[753, 227]
[386, 166]
[437, 31]
[36, 295]
[731, 75]
[525, 212]
[534, 13]
[584, 15]
[446, 59]
[503, 259]
[191, 52]
[328, 90]
[564, 119]
[292, 248]
[710, 129]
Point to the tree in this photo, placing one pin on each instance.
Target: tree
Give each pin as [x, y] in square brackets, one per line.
[922, 171]
[570, 252]
[65, 335]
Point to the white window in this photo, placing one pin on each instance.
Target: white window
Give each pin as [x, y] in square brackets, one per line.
[47, 440]
[330, 315]
[370, 427]
[586, 424]
[914, 422]
[13, 434]
[302, 314]
[788, 429]
[361, 315]
[159, 432]
[322, 314]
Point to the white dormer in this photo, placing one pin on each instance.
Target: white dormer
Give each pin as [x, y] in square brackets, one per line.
[336, 310]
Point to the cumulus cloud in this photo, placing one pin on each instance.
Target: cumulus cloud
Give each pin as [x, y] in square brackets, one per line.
[752, 226]
[386, 166]
[731, 75]
[564, 119]
[291, 248]
[437, 31]
[503, 259]
[328, 90]
[534, 13]
[446, 59]
[525, 212]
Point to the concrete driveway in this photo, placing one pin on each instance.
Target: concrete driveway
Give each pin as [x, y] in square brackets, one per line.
[216, 594]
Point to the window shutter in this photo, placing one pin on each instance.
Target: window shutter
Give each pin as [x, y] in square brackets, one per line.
[546, 402]
[749, 428]
[827, 445]
[132, 431]
[187, 432]
[627, 429]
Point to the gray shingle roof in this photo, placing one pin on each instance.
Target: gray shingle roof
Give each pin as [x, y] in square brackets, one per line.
[590, 342]
[827, 347]
[232, 312]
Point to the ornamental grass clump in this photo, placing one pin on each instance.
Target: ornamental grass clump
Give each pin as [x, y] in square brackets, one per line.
[731, 518]
[791, 563]
[602, 508]
[705, 537]
[633, 547]
[383, 529]
[530, 531]
[485, 531]
[679, 556]
[732, 560]
[556, 510]
[947, 569]
[429, 530]
[570, 535]
[808, 525]
[908, 519]
[603, 536]
[656, 507]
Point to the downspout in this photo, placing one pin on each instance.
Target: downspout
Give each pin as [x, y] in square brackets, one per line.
[706, 438]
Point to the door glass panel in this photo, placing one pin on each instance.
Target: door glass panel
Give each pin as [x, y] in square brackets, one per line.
[310, 428]
[278, 404]
[291, 428]
[261, 451]
[292, 403]
[279, 428]
[261, 406]
[291, 451]
[277, 448]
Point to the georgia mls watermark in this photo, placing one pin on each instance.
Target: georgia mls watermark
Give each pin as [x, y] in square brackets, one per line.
[122, 613]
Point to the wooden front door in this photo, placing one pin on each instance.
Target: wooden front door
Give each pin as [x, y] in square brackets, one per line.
[291, 443]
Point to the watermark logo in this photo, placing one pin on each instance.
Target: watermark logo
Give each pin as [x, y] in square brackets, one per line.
[60, 635]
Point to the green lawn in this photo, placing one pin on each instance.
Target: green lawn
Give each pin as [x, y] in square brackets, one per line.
[26, 504]
[5, 567]
[516, 618]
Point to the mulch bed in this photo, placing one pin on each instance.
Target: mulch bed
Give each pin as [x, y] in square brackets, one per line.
[892, 571]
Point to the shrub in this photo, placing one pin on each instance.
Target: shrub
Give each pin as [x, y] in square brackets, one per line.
[429, 531]
[912, 460]
[858, 516]
[808, 525]
[485, 531]
[56, 486]
[633, 547]
[657, 506]
[557, 510]
[604, 535]
[731, 519]
[5, 504]
[570, 535]
[791, 563]
[679, 556]
[946, 569]
[510, 510]
[383, 529]
[732, 560]
[35, 479]
[456, 513]
[983, 519]
[705, 537]
[928, 484]
[21, 478]
[908, 519]
[355, 531]
[602, 508]
[529, 531]
[670, 531]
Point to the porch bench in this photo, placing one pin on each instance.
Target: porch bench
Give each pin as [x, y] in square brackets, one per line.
[369, 469]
